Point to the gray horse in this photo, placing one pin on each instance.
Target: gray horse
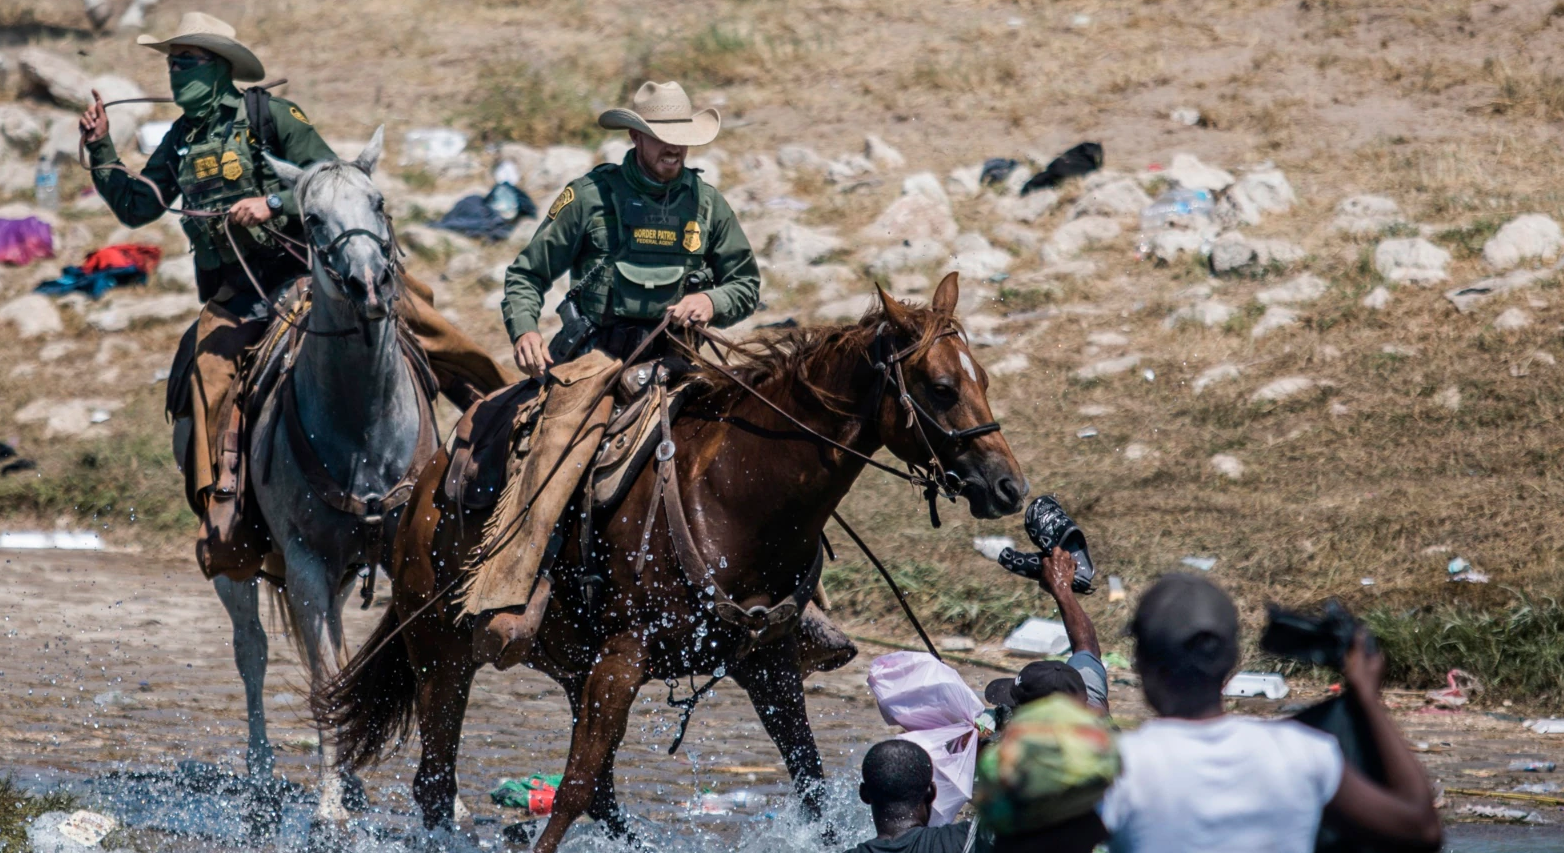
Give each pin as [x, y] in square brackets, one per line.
[358, 406]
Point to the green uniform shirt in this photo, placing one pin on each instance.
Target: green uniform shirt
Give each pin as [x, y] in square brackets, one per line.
[575, 239]
[134, 203]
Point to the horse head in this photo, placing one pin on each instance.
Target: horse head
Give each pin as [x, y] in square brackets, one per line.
[349, 234]
[935, 404]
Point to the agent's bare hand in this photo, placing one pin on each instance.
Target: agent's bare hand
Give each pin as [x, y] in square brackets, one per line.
[1364, 669]
[1058, 571]
[95, 121]
[250, 212]
[695, 309]
[531, 355]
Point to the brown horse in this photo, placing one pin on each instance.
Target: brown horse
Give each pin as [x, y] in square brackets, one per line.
[757, 491]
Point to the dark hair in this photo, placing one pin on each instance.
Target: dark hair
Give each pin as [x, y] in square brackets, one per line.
[896, 773]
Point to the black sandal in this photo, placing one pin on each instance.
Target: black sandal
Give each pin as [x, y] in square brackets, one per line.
[1049, 527]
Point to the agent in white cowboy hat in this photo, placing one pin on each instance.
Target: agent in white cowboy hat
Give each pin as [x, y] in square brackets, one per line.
[638, 239]
[212, 159]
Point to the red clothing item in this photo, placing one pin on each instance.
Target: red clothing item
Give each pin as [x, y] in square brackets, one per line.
[143, 258]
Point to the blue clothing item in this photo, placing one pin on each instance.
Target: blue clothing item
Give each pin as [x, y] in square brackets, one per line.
[1094, 674]
[92, 284]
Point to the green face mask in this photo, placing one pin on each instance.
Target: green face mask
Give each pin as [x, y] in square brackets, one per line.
[197, 90]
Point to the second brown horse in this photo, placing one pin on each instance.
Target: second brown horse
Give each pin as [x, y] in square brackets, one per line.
[757, 492]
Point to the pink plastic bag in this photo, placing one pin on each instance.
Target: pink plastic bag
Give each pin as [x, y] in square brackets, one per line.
[938, 710]
[23, 241]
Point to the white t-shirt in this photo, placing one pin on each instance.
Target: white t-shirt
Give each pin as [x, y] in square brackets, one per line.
[1228, 784]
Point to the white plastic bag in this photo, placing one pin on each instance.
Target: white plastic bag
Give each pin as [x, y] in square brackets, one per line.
[938, 710]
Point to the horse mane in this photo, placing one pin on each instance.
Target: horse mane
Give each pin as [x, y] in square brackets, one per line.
[329, 174]
[793, 355]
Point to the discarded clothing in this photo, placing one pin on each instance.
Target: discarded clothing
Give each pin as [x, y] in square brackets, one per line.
[142, 257]
[490, 217]
[109, 267]
[23, 241]
[996, 170]
[1080, 160]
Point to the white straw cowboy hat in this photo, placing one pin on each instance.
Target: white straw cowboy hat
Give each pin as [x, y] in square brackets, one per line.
[663, 112]
[197, 29]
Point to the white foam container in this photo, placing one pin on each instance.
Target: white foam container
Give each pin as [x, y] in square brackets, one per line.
[1038, 637]
[1271, 685]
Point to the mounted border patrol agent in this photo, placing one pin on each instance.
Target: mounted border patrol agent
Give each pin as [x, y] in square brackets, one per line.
[212, 158]
[640, 239]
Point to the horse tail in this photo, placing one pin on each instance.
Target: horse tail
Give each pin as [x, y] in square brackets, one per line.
[371, 702]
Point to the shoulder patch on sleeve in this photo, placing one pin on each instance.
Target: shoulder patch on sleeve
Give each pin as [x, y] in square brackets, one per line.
[567, 196]
[297, 113]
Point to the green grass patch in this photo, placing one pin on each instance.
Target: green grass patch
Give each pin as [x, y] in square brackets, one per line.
[975, 605]
[131, 480]
[19, 808]
[1517, 653]
[519, 103]
[1467, 241]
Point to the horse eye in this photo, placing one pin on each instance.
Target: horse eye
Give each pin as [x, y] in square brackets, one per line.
[946, 394]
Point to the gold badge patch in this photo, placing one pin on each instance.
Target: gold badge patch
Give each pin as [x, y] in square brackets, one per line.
[298, 114]
[566, 197]
[692, 237]
[232, 168]
[205, 167]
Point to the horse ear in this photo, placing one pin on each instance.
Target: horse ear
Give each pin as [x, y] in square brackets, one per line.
[371, 154]
[946, 296]
[895, 312]
[287, 172]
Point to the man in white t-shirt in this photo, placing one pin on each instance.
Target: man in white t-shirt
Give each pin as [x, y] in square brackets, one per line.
[1197, 780]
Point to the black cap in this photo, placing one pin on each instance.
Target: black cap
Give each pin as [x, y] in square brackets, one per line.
[1036, 680]
[1185, 622]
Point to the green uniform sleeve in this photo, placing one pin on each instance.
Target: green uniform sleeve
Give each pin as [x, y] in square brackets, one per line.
[133, 202]
[549, 256]
[301, 144]
[733, 263]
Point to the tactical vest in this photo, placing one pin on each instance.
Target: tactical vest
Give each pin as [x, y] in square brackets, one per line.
[213, 174]
[655, 255]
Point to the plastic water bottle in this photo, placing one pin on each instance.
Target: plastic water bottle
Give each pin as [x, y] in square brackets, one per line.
[1177, 208]
[46, 184]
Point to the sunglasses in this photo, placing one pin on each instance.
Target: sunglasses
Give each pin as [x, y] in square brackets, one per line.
[187, 61]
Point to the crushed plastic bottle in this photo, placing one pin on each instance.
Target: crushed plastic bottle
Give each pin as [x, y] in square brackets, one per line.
[1177, 208]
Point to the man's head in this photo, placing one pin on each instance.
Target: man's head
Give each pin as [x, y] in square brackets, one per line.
[663, 126]
[1035, 681]
[1186, 645]
[659, 160]
[203, 37]
[898, 783]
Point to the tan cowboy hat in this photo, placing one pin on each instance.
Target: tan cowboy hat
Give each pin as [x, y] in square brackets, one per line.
[663, 112]
[197, 29]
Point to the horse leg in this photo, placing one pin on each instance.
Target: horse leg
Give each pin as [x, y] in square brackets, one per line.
[771, 677]
[315, 607]
[605, 803]
[243, 602]
[444, 669]
[606, 696]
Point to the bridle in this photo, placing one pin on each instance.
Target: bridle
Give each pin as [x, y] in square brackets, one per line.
[388, 246]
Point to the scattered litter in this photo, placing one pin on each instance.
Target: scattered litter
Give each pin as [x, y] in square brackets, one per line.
[1087, 432]
[89, 828]
[1038, 636]
[99, 416]
[1549, 726]
[63, 540]
[1149, 375]
[1469, 577]
[992, 546]
[1115, 589]
[1501, 813]
[1271, 685]
[23, 241]
[996, 170]
[1178, 208]
[489, 217]
[534, 794]
[956, 644]
[1367, 582]
[1536, 788]
[1461, 686]
[712, 803]
[1205, 564]
[1532, 765]
[1187, 116]
[108, 267]
[150, 135]
[1080, 160]
[1458, 565]
[1115, 660]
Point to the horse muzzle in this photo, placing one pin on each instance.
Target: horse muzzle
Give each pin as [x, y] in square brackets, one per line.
[992, 487]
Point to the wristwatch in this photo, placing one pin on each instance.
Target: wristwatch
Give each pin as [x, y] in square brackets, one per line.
[274, 201]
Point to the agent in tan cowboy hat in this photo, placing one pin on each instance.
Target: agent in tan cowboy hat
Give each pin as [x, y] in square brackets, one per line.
[211, 158]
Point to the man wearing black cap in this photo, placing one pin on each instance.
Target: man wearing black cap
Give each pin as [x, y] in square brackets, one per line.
[898, 786]
[1083, 675]
[1197, 779]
